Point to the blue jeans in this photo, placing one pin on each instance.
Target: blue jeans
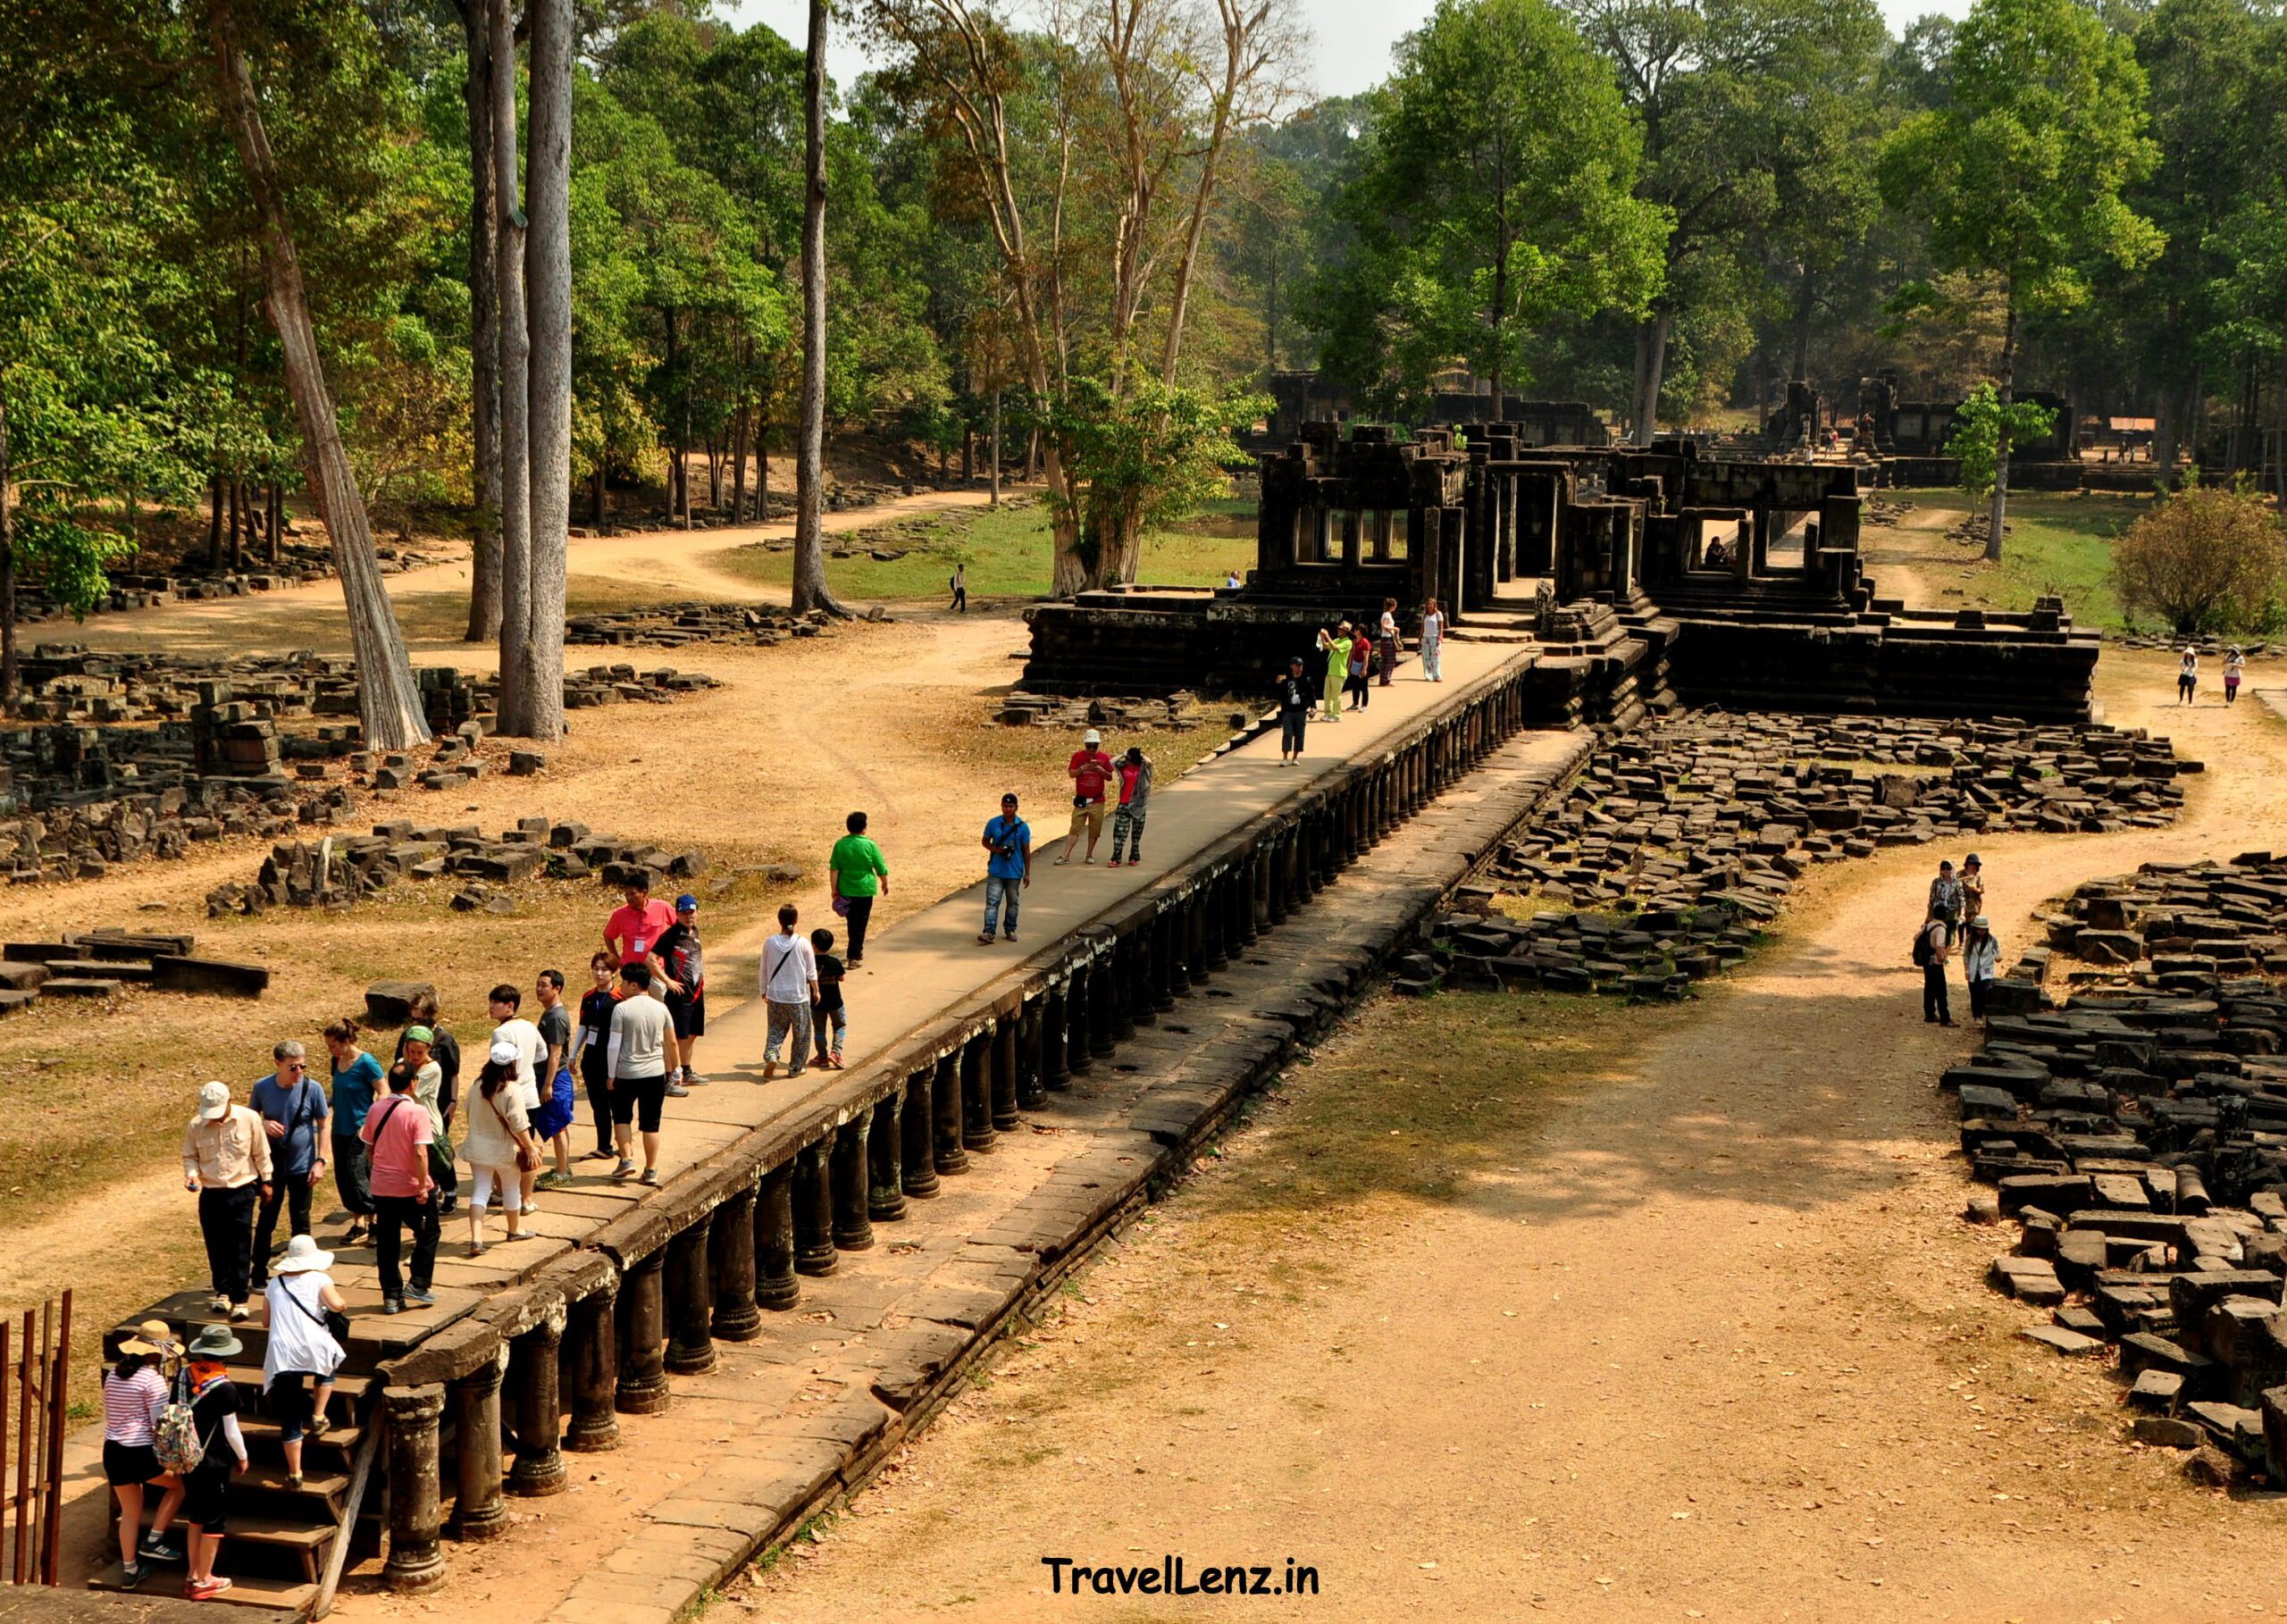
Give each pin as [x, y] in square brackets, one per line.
[996, 892]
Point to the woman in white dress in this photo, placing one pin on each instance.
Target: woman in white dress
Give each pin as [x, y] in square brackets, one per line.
[302, 1347]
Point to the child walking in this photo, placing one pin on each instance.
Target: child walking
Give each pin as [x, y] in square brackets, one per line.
[827, 1010]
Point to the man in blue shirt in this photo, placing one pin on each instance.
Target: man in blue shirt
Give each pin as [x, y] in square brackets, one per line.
[293, 1110]
[1008, 869]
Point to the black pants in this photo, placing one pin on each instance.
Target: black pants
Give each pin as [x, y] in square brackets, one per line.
[861, 909]
[598, 1083]
[1355, 689]
[352, 1168]
[1977, 990]
[393, 1214]
[226, 1220]
[292, 1191]
[1934, 1006]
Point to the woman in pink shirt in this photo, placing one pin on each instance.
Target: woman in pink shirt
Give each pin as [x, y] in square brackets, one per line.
[399, 1133]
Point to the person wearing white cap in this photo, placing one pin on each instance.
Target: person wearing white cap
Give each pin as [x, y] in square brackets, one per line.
[1981, 962]
[226, 1159]
[1090, 770]
[498, 1139]
[302, 1347]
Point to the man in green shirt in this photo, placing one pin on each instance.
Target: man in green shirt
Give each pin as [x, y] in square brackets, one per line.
[859, 875]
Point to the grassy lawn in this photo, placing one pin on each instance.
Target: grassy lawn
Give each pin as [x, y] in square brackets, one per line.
[2056, 543]
[1007, 552]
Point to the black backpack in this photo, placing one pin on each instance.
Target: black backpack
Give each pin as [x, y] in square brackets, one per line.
[1922, 949]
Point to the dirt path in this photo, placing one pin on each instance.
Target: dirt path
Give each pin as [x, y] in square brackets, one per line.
[1908, 560]
[1697, 1333]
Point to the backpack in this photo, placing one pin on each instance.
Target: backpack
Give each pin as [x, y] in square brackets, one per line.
[1922, 949]
[174, 1436]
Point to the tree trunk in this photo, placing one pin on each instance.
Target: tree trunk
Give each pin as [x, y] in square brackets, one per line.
[515, 371]
[389, 704]
[276, 517]
[214, 520]
[547, 250]
[996, 448]
[238, 524]
[1804, 305]
[810, 589]
[2001, 439]
[595, 499]
[738, 467]
[761, 467]
[1068, 571]
[1650, 360]
[7, 573]
[678, 473]
[484, 330]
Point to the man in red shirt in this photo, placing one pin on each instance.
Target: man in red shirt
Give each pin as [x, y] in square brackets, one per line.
[1090, 770]
[633, 932]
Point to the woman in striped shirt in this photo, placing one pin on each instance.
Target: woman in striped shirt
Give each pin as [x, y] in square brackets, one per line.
[134, 1393]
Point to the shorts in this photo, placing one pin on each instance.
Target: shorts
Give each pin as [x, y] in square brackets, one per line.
[206, 1493]
[555, 1113]
[1090, 818]
[689, 1016]
[127, 1463]
[651, 1094]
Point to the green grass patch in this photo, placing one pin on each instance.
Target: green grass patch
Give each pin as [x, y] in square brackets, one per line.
[1006, 550]
[2055, 543]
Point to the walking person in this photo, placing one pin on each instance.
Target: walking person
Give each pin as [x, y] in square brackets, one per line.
[1293, 712]
[2187, 675]
[499, 1142]
[226, 1159]
[1355, 671]
[2235, 666]
[637, 1054]
[135, 1391]
[1008, 867]
[829, 1020]
[303, 1304]
[1945, 899]
[356, 1081]
[636, 924]
[592, 1042]
[1336, 647]
[958, 583]
[417, 1059]
[506, 1003]
[1386, 641]
[1135, 775]
[859, 875]
[1980, 963]
[215, 1410]
[790, 986]
[1932, 946]
[293, 1112]
[1090, 770]
[398, 1136]
[1433, 642]
[679, 970]
[445, 1050]
[552, 1126]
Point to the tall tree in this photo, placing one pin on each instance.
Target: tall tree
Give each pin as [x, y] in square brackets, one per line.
[2020, 175]
[810, 589]
[388, 701]
[535, 649]
[484, 327]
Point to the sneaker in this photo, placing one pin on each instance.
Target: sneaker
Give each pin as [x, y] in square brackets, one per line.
[132, 1575]
[598, 1155]
[449, 1206]
[1011, 936]
[691, 1079]
[238, 1310]
[219, 1304]
[209, 1590]
[651, 1176]
[619, 1174]
[425, 1298]
[293, 1483]
[677, 1091]
[156, 1549]
[392, 1305]
[317, 1427]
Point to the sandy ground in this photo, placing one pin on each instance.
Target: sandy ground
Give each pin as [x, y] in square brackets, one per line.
[1702, 1336]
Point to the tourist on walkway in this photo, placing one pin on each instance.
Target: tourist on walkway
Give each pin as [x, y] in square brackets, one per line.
[1433, 642]
[357, 1083]
[2187, 676]
[301, 1349]
[829, 1022]
[445, 1048]
[293, 1112]
[1385, 641]
[680, 972]
[134, 1393]
[592, 1042]
[1007, 868]
[215, 1410]
[1945, 899]
[1933, 945]
[1360, 664]
[859, 875]
[1980, 963]
[507, 1003]
[397, 1133]
[499, 1140]
[1972, 879]
[1336, 647]
[638, 1058]
[417, 1055]
[958, 582]
[636, 926]
[226, 1159]
[1090, 770]
[2235, 666]
[790, 986]
[1135, 775]
[552, 1126]
[1294, 700]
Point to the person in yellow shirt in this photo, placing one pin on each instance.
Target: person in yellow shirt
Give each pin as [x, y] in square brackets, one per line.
[1336, 646]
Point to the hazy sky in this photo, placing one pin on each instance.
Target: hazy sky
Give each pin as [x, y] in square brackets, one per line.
[1352, 38]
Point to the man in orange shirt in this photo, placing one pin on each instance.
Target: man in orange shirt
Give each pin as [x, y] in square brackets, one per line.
[633, 932]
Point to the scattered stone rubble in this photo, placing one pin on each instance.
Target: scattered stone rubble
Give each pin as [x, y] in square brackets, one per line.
[100, 963]
[189, 580]
[2138, 1137]
[1679, 840]
[1177, 713]
[2209, 646]
[339, 870]
[674, 626]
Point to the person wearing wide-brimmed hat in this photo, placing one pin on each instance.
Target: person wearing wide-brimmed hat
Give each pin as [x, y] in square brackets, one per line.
[302, 1348]
[135, 1390]
[1980, 963]
[226, 1159]
[215, 1410]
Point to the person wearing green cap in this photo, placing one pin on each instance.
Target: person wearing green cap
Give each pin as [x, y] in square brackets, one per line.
[215, 1410]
